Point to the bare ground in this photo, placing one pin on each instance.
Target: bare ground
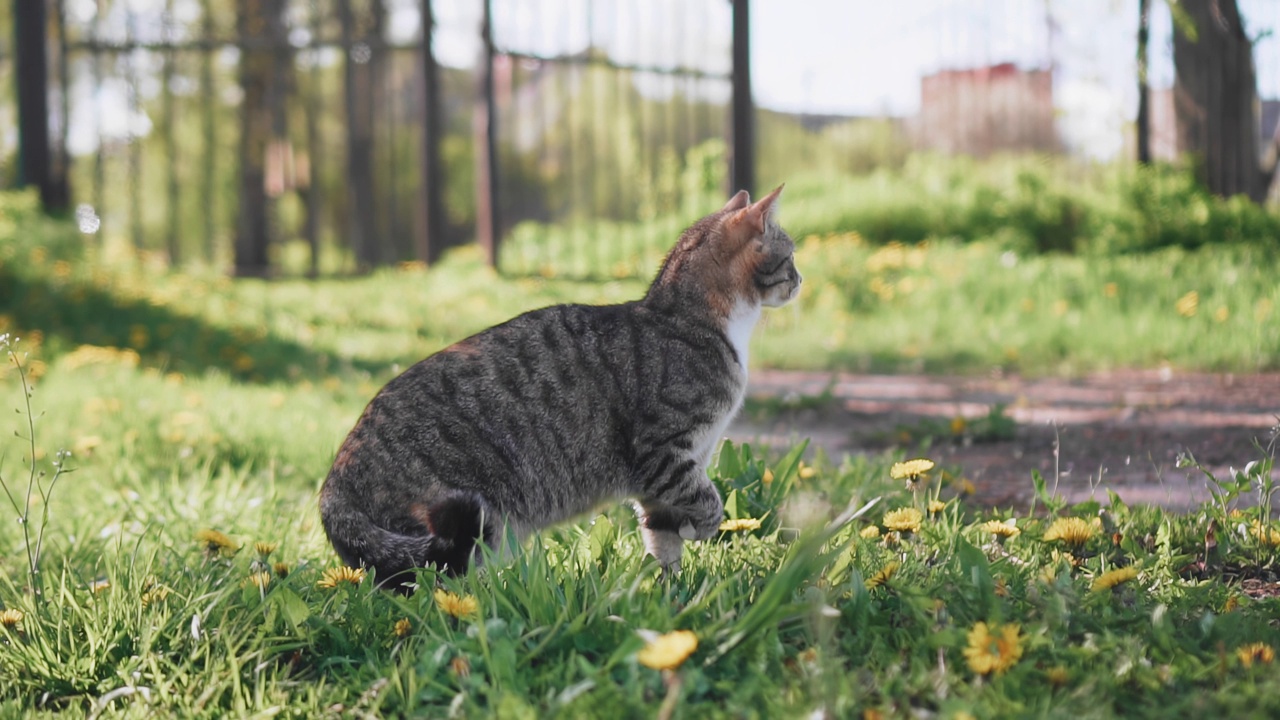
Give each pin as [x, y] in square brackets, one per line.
[1122, 431]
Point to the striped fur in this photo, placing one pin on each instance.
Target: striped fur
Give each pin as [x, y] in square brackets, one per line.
[557, 411]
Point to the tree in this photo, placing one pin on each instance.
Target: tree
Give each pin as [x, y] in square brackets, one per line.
[1216, 99]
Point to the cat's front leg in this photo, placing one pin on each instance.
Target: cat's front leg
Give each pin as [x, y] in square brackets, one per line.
[688, 510]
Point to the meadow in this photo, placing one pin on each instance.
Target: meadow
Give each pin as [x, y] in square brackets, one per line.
[173, 427]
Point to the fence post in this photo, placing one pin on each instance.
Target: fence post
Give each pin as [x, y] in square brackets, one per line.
[35, 166]
[742, 160]
[431, 240]
[483, 130]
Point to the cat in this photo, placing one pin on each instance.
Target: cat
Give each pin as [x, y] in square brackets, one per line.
[559, 410]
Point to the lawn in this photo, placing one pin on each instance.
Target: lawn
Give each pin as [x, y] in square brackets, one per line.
[183, 570]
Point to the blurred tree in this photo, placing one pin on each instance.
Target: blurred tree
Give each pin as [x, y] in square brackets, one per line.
[1144, 111]
[261, 25]
[1216, 97]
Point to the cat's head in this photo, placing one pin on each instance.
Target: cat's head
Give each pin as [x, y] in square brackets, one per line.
[734, 256]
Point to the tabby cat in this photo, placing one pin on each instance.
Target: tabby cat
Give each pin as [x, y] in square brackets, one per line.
[559, 410]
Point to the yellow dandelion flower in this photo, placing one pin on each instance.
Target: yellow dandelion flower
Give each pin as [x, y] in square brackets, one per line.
[1110, 289]
[669, 651]
[1001, 529]
[154, 595]
[259, 580]
[903, 519]
[11, 618]
[739, 525]
[869, 532]
[891, 538]
[806, 472]
[967, 487]
[936, 506]
[993, 653]
[1070, 530]
[264, 548]
[1057, 676]
[458, 606]
[216, 543]
[1188, 304]
[86, 445]
[958, 425]
[1256, 652]
[1231, 604]
[282, 569]
[883, 576]
[403, 627]
[1002, 587]
[1265, 535]
[1222, 314]
[333, 577]
[767, 479]
[1114, 578]
[911, 469]
[98, 586]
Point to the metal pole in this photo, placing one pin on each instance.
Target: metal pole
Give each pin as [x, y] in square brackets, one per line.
[483, 128]
[742, 160]
[430, 230]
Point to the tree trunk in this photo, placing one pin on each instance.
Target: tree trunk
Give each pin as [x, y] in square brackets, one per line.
[1215, 96]
[260, 23]
[1144, 110]
[359, 74]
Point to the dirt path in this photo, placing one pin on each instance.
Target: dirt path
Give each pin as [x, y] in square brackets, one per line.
[1122, 431]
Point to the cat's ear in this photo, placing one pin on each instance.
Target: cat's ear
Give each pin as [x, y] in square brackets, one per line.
[757, 214]
[737, 202]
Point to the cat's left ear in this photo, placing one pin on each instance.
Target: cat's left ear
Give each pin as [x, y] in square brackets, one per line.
[740, 200]
[758, 214]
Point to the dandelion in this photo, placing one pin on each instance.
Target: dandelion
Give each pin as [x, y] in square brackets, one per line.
[332, 577]
[1265, 535]
[154, 595]
[264, 549]
[767, 479]
[1221, 314]
[1255, 652]
[911, 469]
[936, 506]
[903, 520]
[98, 586]
[883, 576]
[1070, 530]
[11, 618]
[669, 651]
[967, 487]
[282, 569]
[1188, 304]
[1001, 529]
[869, 532]
[740, 525]
[1114, 578]
[87, 444]
[806, 472]
[1231, 604]
[403, 627]
[1057, 676]
[259, 580]
[1110, 289]
[993, 653]
[216, 543]
[458, 606]
[460, 666]
[958, 425]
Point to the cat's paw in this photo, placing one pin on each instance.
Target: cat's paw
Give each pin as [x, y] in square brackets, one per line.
[666, 546]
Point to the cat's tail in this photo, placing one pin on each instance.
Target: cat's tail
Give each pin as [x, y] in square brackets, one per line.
[451, 528]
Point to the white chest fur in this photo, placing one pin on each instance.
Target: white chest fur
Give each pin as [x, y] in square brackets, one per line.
[742, 320]
[738, 327]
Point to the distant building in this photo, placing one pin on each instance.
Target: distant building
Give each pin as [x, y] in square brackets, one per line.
[979, 111]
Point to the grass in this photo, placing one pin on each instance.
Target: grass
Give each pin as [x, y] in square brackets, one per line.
[191, 402]
[137, 614]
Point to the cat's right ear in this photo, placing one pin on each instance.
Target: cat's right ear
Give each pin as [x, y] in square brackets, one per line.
[737, 202]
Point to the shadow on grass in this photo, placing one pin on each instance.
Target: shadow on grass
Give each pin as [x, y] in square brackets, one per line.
[72, 313]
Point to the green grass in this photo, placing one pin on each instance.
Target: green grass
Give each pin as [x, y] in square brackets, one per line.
[785, 620]
[206, 403]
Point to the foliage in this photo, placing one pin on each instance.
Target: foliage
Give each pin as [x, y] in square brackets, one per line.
[193, 581]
